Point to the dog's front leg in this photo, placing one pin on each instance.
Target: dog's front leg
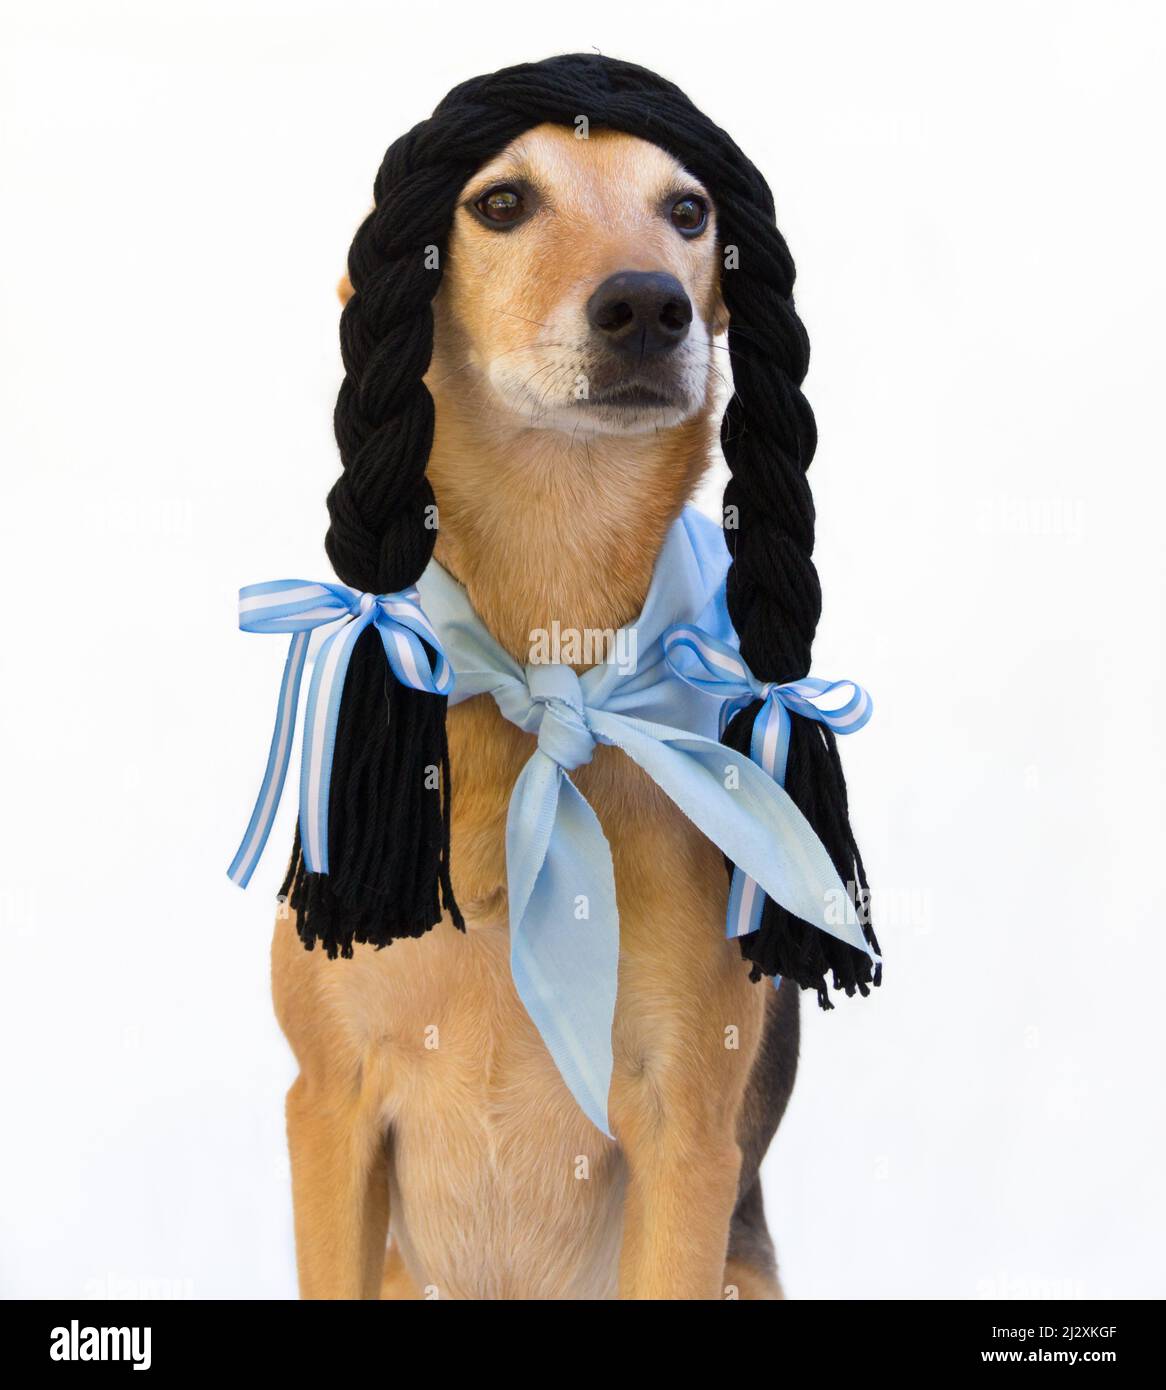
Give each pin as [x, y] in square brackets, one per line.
[340, 1190]
[681, 1191]
[675, 1102]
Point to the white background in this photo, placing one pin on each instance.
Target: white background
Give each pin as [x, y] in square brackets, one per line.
[974, 197]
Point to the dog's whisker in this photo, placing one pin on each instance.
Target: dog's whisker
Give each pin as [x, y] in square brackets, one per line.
[538, 412]
[552, 386]
[511, 315]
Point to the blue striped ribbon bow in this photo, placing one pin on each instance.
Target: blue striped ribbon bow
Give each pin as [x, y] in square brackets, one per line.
[721, 672]
[298, 606]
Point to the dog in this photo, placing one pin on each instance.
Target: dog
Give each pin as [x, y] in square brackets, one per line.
[435, 1150]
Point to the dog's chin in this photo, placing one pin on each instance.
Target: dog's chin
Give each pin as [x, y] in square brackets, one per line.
[629, 412]
[626, 409]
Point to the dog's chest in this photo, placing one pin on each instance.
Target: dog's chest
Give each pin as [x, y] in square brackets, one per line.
[501, 1188]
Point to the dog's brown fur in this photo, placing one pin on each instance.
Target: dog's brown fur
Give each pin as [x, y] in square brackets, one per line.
[426, 1103]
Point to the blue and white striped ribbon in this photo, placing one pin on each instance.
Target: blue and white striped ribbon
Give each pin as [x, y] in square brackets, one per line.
[720, 671]
[297, 606]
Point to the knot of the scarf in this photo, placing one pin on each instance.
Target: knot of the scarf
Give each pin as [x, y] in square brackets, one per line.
[563, 733]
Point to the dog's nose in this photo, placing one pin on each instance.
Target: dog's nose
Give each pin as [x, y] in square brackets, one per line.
[640, 312]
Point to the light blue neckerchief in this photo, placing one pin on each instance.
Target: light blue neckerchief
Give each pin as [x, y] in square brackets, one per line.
[564, 924]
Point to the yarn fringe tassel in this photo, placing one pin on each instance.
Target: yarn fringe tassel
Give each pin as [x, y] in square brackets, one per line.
[388, 818]
[784, 945]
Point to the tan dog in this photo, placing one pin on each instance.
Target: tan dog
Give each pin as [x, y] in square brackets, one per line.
[427, 1105]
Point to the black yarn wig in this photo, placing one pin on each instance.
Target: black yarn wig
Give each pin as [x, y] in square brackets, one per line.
[389, 811]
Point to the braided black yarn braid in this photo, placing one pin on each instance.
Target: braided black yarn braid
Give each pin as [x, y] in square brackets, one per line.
[768, 437]
[388, 827]
[388, 815]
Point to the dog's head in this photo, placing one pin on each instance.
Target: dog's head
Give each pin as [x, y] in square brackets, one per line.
[581, 286]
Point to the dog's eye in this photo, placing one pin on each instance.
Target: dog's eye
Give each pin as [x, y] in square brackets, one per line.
[690, 215]
[502, 205]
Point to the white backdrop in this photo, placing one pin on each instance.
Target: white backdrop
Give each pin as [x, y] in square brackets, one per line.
[973, 194]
